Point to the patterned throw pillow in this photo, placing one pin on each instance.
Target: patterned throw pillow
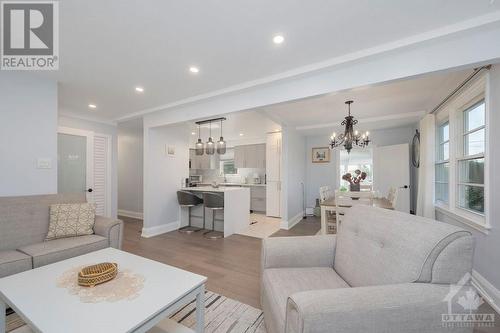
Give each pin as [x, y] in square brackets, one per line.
[69, 220]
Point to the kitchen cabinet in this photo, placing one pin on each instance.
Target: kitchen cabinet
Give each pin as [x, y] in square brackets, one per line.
[203, 162]
[273, 173]
[250, 156]
[258, 198]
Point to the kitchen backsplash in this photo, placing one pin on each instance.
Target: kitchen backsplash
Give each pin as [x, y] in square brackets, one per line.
[211, 175]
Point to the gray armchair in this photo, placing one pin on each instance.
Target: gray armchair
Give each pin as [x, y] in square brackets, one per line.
[384, 271]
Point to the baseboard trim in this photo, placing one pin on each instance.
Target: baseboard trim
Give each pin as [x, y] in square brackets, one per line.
[488, 291]
[159, 229]
[129, 213]
[287, 225]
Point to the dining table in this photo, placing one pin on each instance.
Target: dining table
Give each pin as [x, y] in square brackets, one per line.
[329, 205]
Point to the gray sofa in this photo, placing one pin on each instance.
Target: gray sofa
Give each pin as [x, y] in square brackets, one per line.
[24, 222]
[384, 271]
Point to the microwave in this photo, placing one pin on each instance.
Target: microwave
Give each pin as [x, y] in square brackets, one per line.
[195, 179]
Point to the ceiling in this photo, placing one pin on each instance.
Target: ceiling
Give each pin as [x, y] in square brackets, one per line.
[394, 104]
[252, 125]
[107, 47]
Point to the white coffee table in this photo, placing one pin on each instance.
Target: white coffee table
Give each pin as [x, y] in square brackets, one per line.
[45, 307]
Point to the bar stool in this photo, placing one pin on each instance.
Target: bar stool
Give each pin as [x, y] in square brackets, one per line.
[214, 202]
[189, 200]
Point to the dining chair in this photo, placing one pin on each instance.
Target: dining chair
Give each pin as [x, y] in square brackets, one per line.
[325, 193]
[392, 196]
[345, 200]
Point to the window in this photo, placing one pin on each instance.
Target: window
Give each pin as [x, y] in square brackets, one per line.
[358, 159]
[227, 168]
[470, 186]
[461, 176]
[442, 173]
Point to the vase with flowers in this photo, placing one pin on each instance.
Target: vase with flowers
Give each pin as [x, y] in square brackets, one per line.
[354, 180]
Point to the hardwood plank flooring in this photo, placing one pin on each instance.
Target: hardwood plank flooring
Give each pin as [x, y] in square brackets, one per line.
[232, 264]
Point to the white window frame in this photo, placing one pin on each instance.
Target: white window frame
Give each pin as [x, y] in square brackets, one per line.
[443, 161]
[461, 153]
[453, 112]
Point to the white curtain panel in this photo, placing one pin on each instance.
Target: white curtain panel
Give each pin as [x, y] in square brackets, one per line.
[425, 197]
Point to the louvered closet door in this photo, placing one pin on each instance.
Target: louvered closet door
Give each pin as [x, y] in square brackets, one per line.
[101, 172]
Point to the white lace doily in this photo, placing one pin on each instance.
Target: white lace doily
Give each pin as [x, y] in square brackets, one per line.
[125, 286]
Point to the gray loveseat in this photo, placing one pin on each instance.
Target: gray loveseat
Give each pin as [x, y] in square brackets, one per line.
[384, 271]
[24, 222]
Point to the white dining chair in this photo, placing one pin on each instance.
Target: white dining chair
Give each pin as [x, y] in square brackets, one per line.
[345, 200]
[392, 196]
[325, 193]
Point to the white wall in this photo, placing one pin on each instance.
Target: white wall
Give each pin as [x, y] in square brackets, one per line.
[488, 246]
[28, 127]
[319, 174]
[326, 174]
[294, 175]
[101, 128]
[163, 176]
[130, 167]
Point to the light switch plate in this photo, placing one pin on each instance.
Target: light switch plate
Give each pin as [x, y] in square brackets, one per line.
[44, 163]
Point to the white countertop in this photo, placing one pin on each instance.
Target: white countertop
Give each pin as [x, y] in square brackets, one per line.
[212, 189]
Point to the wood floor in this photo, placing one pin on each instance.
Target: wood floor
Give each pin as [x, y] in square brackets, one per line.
[232, 264]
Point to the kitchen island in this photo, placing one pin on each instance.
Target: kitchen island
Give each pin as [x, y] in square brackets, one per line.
[236, 210]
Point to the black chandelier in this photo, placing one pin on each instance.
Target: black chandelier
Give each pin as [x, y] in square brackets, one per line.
[211, 147]
[350, 137]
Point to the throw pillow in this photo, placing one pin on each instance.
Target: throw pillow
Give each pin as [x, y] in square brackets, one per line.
[69, 220]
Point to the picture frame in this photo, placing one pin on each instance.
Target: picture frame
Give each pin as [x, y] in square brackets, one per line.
[320, 155]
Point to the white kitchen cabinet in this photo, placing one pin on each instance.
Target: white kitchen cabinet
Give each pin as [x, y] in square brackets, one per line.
[260, 157]
[273, 173]
[250, 156]
[258, 198]
[203, 162]
[239, 156]
[273, 199]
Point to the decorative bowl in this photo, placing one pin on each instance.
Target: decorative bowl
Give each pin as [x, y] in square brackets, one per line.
[93, 275]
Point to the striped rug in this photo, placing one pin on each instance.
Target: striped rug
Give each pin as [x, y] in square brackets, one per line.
[222, 315]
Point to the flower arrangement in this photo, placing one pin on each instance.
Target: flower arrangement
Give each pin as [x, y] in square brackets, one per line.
[355, 179]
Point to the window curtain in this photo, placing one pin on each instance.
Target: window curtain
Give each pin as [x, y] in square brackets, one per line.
[425, 197]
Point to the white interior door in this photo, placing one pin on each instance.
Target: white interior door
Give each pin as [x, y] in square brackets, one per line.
[102, 174]
[84, 166]
[391, 168]
[75, 161]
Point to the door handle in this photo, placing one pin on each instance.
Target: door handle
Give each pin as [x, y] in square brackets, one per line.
[90, 190]
[405, 186]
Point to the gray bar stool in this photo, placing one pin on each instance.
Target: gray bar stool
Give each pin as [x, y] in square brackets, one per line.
[214, 202]
[189, 200]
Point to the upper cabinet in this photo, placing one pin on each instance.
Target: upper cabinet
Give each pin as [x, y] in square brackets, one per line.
[250, 156]
[203, 162]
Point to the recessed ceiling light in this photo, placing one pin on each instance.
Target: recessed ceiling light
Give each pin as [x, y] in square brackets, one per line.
[194, 69]
[92, 106]
[139, 89]
[278, 39]
[193, 133]
[241, 134]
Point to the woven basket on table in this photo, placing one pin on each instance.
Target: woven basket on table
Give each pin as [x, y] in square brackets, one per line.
[93, 275]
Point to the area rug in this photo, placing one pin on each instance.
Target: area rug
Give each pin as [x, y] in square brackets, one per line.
[222, 315]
